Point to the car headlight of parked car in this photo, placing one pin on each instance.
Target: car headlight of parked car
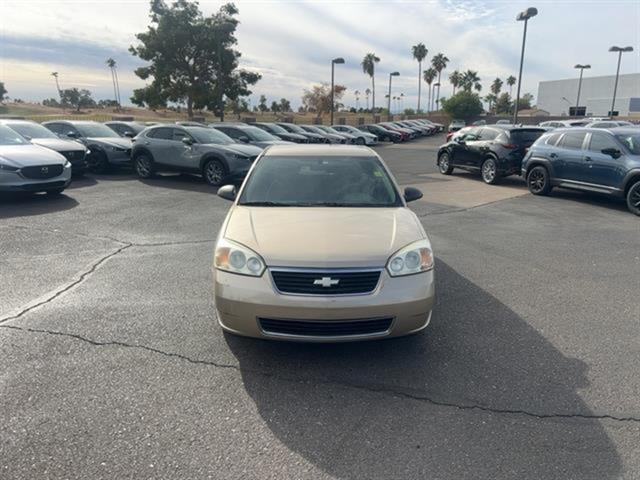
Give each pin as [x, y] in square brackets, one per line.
[237, 156]
[5, 167]
[414, 258]
[118, 149]
[235, 258]
[67, 164]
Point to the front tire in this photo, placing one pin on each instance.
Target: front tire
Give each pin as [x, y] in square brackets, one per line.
[214, 172]
[633, 198]
[98, 162]
[489, 171]
[360, 141]
[538, 181]
[143, 165]
[444, 164]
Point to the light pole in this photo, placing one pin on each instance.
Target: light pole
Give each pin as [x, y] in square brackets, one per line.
[522, 17]
[338, 60]
[437, 84]
[581, 67]
[615, 87]
[391, 75]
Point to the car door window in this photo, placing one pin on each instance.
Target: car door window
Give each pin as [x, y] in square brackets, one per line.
[572, 140]
[488, 134]
[600, 141]
[472, 135]
[161, 133]
[55, 128]
[553, 139]
[178, 135]
[231, 132]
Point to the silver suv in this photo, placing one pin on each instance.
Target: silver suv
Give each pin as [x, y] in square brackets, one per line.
[190, 149]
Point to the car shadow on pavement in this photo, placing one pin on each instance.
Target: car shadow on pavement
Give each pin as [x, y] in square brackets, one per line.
[28, 204]
[470, 397]
[593, 199]
[181, 181]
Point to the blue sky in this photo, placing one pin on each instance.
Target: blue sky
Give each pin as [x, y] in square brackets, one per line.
[291, 42]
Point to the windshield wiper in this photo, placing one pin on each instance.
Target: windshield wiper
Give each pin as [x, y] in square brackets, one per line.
[268, 204]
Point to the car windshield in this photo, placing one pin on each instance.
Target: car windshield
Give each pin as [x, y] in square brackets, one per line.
[32, 130]
[11, 137]
[260, 135]
[296, 128]
[276, 128]
[631, 141]
[315, 181]
[209, 135]
[135, 127]
[312, 129]
[95, 130]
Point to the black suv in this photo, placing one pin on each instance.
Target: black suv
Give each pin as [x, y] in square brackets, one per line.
[493, 150]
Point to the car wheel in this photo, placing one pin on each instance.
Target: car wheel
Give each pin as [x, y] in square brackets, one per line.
[98, 162]
[489, 171]
[444, 164]
[143, 165]
[633, 198]
[538, 181]
[360, 141]
[214, 172]
[55, 191]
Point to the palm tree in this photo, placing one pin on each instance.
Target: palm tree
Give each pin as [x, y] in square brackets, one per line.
[511, 81]
[111, 63]
[470, 80]
[419, 52]
[367, 92]
[369, 67]
[429, 75]
[496, 86]
[357, 95]
[55, 76]
[402, 102]
[454, 79]
[491, 99]
[439, 62]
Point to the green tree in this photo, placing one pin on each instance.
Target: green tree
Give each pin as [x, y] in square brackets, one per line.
[77, 98]
[511, 81]
[262, 104]
[285, 105]
[439, 62]
[496, 87]
[429, 75]
[464, 104]
[192, 57]
[470, 81]
[150, 96]
[491, 99]
[275, 107]
[318, 99]
[51, 102]
[503, 104]
[526, 102]
[3, 91]
[454, 79]
[369, 67]
[419, 52]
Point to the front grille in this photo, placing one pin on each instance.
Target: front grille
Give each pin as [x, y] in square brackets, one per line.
[328, 282]
[74, 155]
[325, 328]
[41, 171]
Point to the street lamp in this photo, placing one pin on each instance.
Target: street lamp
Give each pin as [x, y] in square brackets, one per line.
[581, 67]
[522, 17]
[615, 87]
[338, 60]
[437, 84]
[392, 74]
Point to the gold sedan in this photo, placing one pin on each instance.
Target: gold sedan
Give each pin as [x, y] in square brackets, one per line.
[319, 245]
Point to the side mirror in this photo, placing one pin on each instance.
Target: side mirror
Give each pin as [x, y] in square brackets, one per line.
[71, 134]
[187, 141]
[129, 134]
[228, 192]
[411, 194]
[613, 152]
[244, 139]
[27, 137]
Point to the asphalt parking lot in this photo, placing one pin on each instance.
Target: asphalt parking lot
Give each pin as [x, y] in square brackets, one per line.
[114, 366]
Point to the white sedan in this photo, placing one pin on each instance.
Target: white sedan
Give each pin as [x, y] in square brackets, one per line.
[364, 138]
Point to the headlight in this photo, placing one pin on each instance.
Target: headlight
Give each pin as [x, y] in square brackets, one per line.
[7, 168]
[236, 156]
[118, 149]
[67, 164]
[235, 258]
[414, 258]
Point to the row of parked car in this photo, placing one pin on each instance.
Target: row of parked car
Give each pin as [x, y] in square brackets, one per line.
[42, 157]
[588, 158]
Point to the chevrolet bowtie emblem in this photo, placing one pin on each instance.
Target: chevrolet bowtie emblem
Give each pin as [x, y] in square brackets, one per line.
[326, 281]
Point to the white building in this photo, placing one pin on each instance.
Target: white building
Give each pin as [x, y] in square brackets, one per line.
[596, 94]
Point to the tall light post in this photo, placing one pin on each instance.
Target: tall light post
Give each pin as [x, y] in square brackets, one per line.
[391, 75]
[437, 84]
[615, 87]
[335, 61]
[522, 17]
[582, 68]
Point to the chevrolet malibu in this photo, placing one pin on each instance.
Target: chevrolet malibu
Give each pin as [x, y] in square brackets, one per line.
[319, 246]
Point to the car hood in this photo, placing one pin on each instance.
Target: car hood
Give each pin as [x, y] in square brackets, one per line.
[111, 141]
[323, 237]
[28, 155]
[247, 150]
[268, 143]
[59, 145]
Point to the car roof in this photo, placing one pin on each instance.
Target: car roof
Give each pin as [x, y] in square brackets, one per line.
[74, 122]
[320, 150]
[8, 121]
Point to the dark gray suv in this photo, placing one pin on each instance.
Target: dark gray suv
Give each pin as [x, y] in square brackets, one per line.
[201, 150]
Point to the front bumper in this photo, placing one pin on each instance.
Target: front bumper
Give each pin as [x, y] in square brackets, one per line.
[15, 182]
[242, 300]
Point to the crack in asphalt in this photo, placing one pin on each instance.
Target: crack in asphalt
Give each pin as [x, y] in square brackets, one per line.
[50, 296]
[383, 389]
